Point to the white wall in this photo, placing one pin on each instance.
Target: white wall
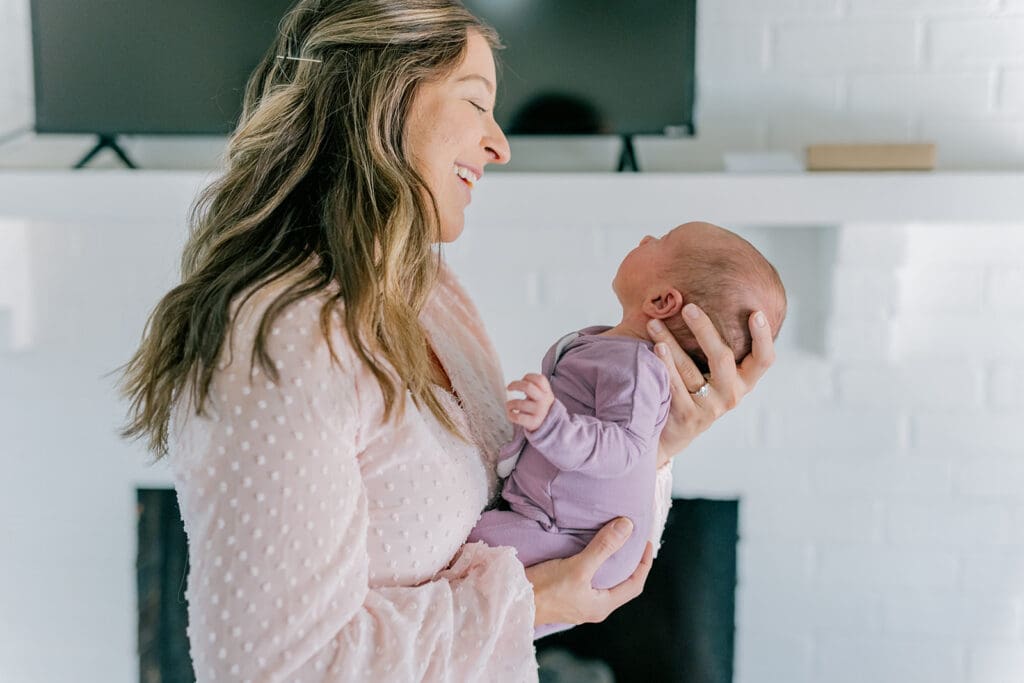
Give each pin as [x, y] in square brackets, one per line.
[879, 464]
[771, 75]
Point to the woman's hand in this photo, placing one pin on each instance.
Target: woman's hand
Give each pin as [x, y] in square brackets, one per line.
[691, 414]
[562, 589]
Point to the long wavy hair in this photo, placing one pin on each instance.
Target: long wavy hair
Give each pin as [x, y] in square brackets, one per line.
[317, 172]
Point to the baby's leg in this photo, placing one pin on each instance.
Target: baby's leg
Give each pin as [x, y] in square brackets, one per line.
[535, 544]
[532, 542]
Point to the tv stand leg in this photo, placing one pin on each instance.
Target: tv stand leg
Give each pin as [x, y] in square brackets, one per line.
[627, 157]
[103, 142]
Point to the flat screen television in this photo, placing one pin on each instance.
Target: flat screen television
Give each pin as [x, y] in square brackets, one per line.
[594, 66]
[144, 67]
[147, 67]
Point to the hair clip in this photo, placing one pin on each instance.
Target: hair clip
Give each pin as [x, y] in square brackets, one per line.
[299, 59]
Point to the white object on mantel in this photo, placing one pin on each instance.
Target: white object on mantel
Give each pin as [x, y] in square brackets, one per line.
[761, 162]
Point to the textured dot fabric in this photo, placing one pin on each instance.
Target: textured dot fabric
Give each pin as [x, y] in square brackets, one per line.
[328, 545]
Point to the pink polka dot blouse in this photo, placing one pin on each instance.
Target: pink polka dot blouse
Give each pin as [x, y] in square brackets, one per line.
[327, 545]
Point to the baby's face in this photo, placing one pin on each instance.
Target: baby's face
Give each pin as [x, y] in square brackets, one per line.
[644, 267]
[636, 269]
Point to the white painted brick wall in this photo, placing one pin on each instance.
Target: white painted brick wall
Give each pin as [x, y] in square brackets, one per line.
[879, 475]
[845, 46]
[772, 75]
[889, 659]
[1004, 291]
[917, 93]
[955, 43]
[930, 612]
[880, 479]
[1010, 95]
[16, 108]
[1006, 386]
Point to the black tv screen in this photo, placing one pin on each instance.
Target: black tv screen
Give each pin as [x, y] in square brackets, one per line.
[594, 66]
[155, 67]
[147, 66]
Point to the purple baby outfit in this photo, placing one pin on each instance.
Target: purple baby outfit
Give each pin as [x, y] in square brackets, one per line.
[592, 459]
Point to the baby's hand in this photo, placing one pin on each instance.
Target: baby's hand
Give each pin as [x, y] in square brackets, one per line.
[530, 411]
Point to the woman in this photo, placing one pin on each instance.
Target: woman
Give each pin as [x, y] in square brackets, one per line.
[329, 400]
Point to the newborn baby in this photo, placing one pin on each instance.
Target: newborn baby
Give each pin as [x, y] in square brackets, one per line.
[586, 435]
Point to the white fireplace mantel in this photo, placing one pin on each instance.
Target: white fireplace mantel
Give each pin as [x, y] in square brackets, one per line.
[524, 198]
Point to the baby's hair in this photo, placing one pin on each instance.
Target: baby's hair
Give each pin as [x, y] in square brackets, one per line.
[728, 278]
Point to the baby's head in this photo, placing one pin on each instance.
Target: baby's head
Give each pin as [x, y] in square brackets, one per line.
[709, 266]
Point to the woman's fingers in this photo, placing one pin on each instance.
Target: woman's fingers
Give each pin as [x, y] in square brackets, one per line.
[762, 353]
[634, 585]
[721, 360]
[680, 366]
[676, 383]
[605, 543]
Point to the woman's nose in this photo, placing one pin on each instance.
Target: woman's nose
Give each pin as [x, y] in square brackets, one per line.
[496, 145]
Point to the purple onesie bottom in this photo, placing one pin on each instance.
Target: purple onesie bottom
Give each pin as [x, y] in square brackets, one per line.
[534, 543]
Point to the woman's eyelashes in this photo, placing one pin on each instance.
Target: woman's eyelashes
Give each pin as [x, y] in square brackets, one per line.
[480, 109]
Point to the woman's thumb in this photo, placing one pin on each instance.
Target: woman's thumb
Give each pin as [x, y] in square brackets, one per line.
[623, 528]
[609, 539]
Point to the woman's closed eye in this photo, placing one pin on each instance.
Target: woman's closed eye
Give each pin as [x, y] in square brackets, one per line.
[480, 109]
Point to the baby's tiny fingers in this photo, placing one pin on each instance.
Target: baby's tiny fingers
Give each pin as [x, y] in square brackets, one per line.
[524, 406]
[540, 381]
[529, 388]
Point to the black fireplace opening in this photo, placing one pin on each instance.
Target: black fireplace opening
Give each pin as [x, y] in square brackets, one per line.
[681, 628]
[161, 570]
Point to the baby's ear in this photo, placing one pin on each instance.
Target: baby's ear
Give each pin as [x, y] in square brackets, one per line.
[664, 304]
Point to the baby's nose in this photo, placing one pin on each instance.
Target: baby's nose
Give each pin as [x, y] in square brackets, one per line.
[645, 240]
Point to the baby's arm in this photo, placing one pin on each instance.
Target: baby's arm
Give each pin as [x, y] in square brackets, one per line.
[582, 443]
[625, 426]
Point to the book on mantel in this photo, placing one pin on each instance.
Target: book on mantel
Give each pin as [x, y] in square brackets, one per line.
[864, 157]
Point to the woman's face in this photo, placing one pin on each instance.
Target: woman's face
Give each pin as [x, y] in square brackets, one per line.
[451, 133]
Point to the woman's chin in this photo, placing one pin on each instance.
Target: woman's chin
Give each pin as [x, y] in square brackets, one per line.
[450, 231]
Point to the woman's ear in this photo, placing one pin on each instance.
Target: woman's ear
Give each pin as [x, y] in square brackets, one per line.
[664, 304]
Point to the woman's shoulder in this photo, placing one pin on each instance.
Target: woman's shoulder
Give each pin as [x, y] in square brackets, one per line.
[304, 327]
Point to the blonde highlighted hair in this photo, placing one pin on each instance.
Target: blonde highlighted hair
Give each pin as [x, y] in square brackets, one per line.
[317, 174]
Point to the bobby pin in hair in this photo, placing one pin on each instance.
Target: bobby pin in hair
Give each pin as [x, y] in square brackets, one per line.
[299, 59]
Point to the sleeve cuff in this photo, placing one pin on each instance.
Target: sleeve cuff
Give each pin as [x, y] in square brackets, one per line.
[556, 415]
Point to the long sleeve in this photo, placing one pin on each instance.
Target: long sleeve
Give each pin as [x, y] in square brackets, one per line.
[662, 504]
[586, 444]
[629, 408]
[278, 517]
